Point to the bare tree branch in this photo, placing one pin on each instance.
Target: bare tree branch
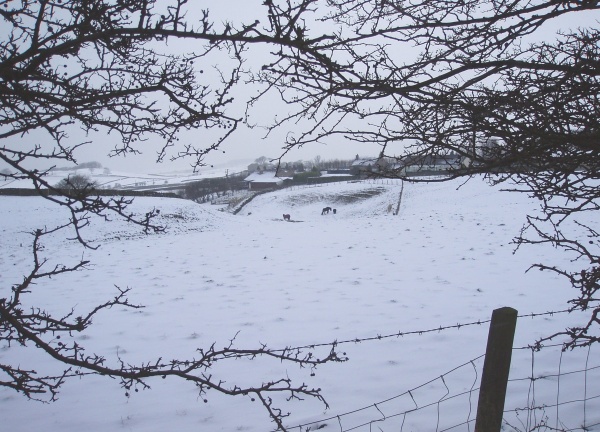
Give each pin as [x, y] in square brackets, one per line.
[477, 84]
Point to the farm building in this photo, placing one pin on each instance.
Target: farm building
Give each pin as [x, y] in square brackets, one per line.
[261, 180]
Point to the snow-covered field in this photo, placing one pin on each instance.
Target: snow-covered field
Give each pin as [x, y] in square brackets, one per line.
[363, 272]
[107, 179]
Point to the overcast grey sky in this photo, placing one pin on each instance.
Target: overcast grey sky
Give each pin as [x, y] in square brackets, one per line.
[247, 144]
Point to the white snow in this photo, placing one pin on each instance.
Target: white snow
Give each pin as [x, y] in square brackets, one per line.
[108, 179]
[362, 272]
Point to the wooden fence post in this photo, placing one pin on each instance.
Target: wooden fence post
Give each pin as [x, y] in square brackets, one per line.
[495, 370]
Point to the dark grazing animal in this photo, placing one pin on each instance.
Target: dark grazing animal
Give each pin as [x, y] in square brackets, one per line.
[326, 210]
[334, 211]
[286, 217]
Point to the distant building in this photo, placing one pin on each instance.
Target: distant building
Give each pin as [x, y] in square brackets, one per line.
[364, 166]
[428, 164]
[261, 180]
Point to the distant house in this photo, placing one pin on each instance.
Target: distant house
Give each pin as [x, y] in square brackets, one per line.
[285, 173]
[261, 180]
[363, 166]
[428, 164]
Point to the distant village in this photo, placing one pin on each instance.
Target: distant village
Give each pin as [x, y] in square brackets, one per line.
[263, 174]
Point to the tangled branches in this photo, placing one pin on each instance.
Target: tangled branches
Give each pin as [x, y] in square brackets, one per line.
[106, 66]
[484, 87]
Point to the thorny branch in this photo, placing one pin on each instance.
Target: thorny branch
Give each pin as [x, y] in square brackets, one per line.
[110, 67]
[477, 85]
[464, 82]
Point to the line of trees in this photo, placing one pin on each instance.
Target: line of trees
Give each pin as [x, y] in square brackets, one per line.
[89, 165]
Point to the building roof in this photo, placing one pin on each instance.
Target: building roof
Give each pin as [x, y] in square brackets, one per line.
[364, 162]
[263, 177]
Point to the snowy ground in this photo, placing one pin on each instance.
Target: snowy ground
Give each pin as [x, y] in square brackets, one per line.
[445, 259]
[107, 179]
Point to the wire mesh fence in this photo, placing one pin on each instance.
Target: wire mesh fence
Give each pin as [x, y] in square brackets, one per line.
[549, 389]
[561, 390]
[443, 403]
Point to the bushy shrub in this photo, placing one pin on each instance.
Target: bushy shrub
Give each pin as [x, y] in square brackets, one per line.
[77, 182]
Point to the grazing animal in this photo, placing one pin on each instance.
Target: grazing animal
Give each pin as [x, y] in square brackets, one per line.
[326, 210]
[286, 217]
[334, 211]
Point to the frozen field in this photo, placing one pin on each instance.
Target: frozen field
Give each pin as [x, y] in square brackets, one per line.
[445, 259]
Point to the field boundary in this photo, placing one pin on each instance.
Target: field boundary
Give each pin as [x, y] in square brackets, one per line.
[558, 398]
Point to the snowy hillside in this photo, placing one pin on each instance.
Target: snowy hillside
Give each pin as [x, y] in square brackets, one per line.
[107, 179]
[363, 272]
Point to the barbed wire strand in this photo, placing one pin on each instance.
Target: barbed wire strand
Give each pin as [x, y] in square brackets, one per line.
[537, 347]
[413, 332]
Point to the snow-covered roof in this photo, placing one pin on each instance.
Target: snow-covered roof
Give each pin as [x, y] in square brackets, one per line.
[364, 162]
[264, 177]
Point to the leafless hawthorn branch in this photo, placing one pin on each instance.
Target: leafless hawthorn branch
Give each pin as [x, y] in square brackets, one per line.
[104, 66]
[480, 86]
[36, 327]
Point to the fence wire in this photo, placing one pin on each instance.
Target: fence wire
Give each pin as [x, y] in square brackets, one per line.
[440, 404]
[421, 332]
[549, 389]
[560, 393]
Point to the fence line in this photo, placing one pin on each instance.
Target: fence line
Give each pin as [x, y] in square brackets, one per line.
[552, 396]
[413, 332]
[410, 397]
[368, 181]
[557, 397]
[530, 416]
[399, 200]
